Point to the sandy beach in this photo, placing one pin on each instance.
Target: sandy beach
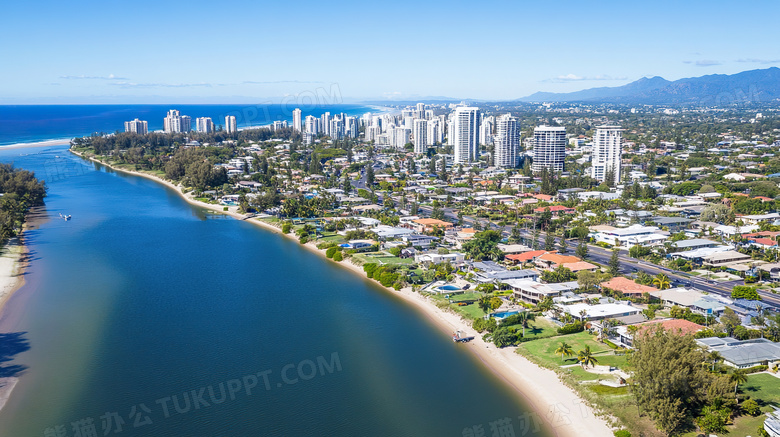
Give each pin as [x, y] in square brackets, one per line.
[557, 406]
[12, 265]
[48, 143]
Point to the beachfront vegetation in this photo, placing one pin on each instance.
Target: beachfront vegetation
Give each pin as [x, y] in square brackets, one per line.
[20, 191]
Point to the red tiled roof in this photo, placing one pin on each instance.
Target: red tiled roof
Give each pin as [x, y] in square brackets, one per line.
[525, 256]
[680, 326]
[626, 286]
[579, 265]
[559, 259]
[764, 241]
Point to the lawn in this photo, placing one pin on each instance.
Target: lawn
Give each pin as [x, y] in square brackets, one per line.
[544, 350]
[764, 388]
[539, 328]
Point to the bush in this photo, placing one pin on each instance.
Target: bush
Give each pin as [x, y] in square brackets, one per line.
[610, 344]
[304, 239]
[756, 369]
[286, 228]
[369, 268]
[745, 292]
[395, 251]
[751, 407]
[622, 433]
[330, 252]
[571, 328]
[337, 256]
[224, 208]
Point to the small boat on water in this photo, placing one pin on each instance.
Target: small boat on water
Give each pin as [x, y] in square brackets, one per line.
[65, 217]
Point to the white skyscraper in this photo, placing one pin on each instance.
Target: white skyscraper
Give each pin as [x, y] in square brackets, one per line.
[607, 152]
[336, 129]
[204, 124]
[325, 123]
[137, 126]
[486, 131]
[420, 110]
[174, 122]
[230, 124]
[465, 134]
[420, 134]
[506, 142]
[279, 124]
[400, 137]
[351, 127]
[297, 120]
[549, 148]
[312, 125]
[435, 132]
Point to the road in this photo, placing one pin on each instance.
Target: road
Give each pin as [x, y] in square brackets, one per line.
[628, 266]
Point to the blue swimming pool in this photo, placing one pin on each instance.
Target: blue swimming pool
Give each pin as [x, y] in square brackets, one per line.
[449, 288]
[504, 314]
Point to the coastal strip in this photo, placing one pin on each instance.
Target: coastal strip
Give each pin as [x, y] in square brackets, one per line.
[560, 408]
[47, 143]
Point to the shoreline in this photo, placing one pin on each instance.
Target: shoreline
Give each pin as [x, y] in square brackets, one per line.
[558, 407]
[45, 143]
[13, 263]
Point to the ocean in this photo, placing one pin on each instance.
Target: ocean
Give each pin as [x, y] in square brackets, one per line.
[36, 123]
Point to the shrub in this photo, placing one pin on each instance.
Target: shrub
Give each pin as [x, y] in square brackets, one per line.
[610, 344]
[751, 407]
[286, 228]
[304, 239]
[330, 252]
[224, 208]
[369, 268]
[571, 328]
[756, 369]
[337, 256]
[622, 433]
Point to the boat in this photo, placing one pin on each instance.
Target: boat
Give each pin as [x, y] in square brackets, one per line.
[458, 337]
[65, 217]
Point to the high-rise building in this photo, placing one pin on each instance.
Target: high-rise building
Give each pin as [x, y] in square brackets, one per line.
[486, 131]
[465, 134]
[420, 110]
[420, 134]
[373, 133]
[230, 124]
[607, 152]
[137, 126]
[549, 148]
[506, 142]
[297, 120]
[325, 123]
[336, 129]
[435, 132]
[175, 122]
[399, 137]
[279, 124]
[312, 125]
[351, 127]
[204, 124]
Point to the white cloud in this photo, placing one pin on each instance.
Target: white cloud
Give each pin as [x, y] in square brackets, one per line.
[575, 78]
[704, 63]
[759, 61]
[109, 77]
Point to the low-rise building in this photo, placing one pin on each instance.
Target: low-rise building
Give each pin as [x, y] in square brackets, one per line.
[743, 353]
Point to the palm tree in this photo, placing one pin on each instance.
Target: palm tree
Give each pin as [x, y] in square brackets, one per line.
[586, 358]
[662, 281]
[738, 377]
[524, 317]
[545, 304]
[564, 349]
[714, 357]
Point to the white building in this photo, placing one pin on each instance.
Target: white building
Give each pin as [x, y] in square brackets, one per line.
[507, 142]
[420, 135]
[486, 131]
[230, 124]
[325, 123]
[175, 122]
[465, 134]
[279, 124]
[137, 126]
[351, 127]
[635, 234]
[312, 125]
[435, 132]
[204, 125]
[297, 120]
[607, 152]
[549, 148]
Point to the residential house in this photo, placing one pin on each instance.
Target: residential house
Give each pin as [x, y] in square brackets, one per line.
[627, 286]
[743, 354]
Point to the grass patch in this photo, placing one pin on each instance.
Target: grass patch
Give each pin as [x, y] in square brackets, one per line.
[764, 388]
[607, 390]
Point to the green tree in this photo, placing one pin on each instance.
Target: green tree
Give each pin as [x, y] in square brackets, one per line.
[661, 281]
[484, 245]
[669, 381]
[564, 349]
[549, 241]
[585, 357]
[582, 250]
[738, 377]
[614, 262]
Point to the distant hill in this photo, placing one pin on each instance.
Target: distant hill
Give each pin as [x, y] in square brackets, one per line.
[748, 86]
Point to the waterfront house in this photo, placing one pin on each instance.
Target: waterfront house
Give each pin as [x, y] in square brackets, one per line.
[743, 354]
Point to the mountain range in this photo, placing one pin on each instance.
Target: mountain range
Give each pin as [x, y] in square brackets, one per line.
[714, 89]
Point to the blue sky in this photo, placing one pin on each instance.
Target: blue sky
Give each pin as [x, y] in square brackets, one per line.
[235, 52]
